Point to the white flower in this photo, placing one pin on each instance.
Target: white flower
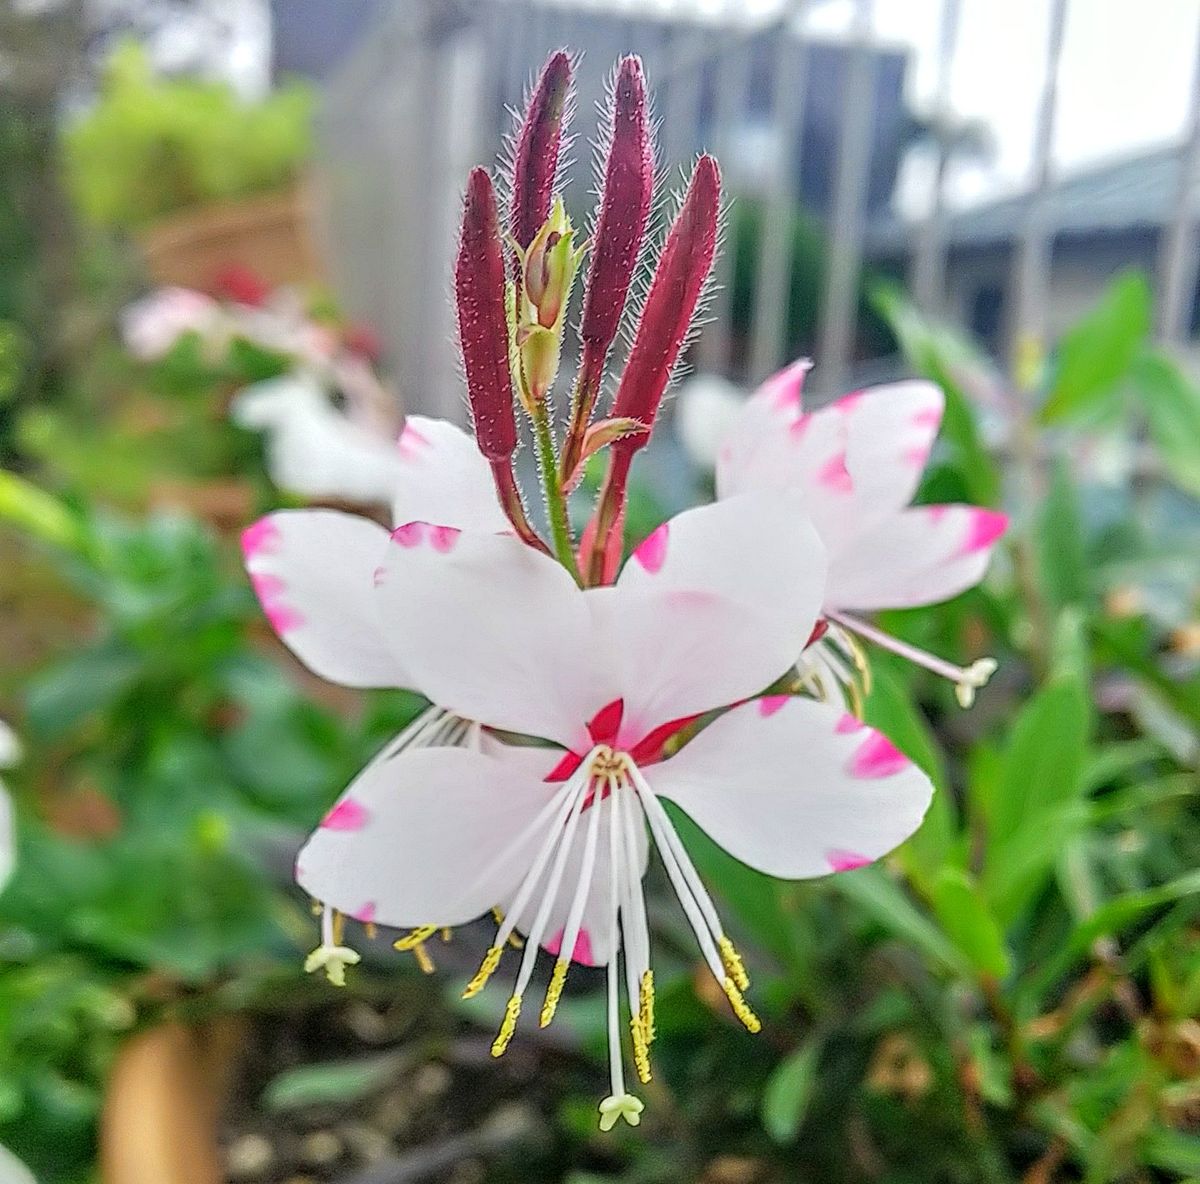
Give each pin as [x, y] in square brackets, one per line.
[707, 408]
[312, 448]
[12, 1170]
[152, 325]
[856, 464]
[714, 606]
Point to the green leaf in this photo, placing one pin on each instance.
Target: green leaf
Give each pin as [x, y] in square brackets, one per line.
[1043, 765]
[789, 1090]
[1059, 538]
[1173, 1151]
[1171, 402]
[964, 915]
[38, 513]
[335, 1081]
[881, 898]
[1100, 349]
[891, 709]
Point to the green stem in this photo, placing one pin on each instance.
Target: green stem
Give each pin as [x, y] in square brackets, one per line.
[556, 503]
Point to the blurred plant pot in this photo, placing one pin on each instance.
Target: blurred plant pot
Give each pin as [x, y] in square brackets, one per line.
[163, 1103]
[269, 234]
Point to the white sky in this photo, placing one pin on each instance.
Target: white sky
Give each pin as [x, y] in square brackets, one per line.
[1125, 81]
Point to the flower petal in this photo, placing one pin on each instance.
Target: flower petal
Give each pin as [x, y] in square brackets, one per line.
[921, 556]
[314, 573]
[493, 630]
[312, 449]
[595, 944]
[712, 607]
[442, 477]
[433, 829]
[890, 431]
[791, 793]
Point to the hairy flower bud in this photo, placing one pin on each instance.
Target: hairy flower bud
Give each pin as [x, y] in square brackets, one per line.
[479, 281]
[624, 209]
[683, 267]
[539, 139]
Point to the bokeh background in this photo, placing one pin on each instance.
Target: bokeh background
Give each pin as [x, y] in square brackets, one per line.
[225, 235]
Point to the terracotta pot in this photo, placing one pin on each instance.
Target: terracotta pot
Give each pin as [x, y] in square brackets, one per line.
[163, 1103]
[270, 235]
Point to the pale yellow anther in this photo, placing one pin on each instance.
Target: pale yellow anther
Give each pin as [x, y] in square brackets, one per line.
[424, 961]
[974, 677]
[617, 1106]
[507, 1026]
[410, 941]
[734, 966]
[740, 1007]
[641, 1049]
[339, 928]
[333, 960]
[371, 930]
[486, 969]
[445, 933]
[554, 991]
[646, 1007]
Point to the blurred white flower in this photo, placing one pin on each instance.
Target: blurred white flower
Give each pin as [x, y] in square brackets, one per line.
[312, 448]
[707, 405]
[12, 1170]
[152, 325]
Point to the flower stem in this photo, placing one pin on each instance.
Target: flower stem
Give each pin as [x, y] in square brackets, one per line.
[556, 502]
[583, 400]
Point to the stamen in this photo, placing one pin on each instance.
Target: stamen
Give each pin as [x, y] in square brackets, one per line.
[740, 1007]
[574, 921]
[513, 939]
[554, 991]
[371, 930]
[424, 961]
[339, 928]
[410, 941]
[967, 679]
[507, 1027]
[445, 934]
[733, 963]
[486, 969]
[641, 1049]
[646, 1006]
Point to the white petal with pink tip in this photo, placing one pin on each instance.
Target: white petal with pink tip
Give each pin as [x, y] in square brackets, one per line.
[794, 793]
[314, 572]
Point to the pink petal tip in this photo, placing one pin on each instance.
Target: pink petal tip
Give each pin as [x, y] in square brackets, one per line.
[877, 756]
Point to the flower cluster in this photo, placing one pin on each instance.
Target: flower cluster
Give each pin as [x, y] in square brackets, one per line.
[314, 448]
[573, 696]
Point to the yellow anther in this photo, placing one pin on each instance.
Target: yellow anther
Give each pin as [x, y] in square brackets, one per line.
[315, 907]
[445, 933]
[339, 928]
[371, 930]
[507, 1027]
[740, 1007]
[424, 961]
[646, 1007]
[410, 941]
[554, 991]
[734, 966]
[486, 969]
[641, 1049]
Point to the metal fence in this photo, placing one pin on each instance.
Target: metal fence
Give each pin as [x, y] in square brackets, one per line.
[424, 98]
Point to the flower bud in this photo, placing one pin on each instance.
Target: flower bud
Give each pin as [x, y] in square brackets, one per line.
[624, 209]
[675, 290]
[535, 161]
[549, 268]
[479, 294]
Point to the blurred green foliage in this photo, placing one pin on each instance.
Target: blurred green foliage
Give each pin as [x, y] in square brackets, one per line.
[152, 146]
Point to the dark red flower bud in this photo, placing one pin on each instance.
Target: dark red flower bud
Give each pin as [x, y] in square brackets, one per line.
[539, 139]
[675, 290]
[482, 325]
[624, 209]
